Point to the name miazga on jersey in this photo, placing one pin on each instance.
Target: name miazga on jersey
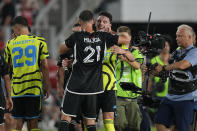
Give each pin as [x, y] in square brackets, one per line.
[91, 40]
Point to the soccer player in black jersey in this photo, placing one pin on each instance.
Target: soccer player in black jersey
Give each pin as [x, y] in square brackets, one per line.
[63, 74]
[9, 105]
[64, 65]
[86, 78]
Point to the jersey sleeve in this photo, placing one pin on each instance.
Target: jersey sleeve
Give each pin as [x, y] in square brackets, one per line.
[7, 55]
[70, 41]
[111, 39]
[44, 51]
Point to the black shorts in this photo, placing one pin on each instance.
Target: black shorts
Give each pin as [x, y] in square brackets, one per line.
[26, 107]
[73, 104]
[107, 101]
[2, 109]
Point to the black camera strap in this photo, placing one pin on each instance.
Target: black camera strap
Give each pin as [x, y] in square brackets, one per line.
[180, 87]
[175, 55]
[193, 69]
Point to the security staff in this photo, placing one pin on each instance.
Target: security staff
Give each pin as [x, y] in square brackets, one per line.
[177, 107]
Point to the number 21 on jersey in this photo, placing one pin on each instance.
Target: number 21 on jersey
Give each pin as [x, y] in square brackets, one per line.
[20, 56]
[89, 59]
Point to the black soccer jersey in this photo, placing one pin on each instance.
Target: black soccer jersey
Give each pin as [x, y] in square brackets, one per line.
[86, 77]
[3, 72]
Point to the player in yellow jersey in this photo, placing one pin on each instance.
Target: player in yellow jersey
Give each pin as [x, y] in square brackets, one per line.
[107, 100]
[27, 56]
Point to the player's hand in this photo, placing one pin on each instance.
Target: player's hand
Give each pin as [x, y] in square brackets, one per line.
[121, 58]
[108, 28]
[117, 50]
[46, 93]
[60, 92]
[9, 104]
[66, 63]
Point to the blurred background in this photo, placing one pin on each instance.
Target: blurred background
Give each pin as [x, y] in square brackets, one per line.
[53, 20]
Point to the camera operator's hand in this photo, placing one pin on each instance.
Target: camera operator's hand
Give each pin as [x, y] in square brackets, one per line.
[144, 68]
[158, 69]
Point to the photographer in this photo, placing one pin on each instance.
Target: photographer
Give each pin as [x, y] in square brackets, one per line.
[127, 70]
[156, 85]
[177, 107]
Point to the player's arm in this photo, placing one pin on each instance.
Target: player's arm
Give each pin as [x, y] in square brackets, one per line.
[60, 81]
[45, 69]
[5, 74]
[138, 61]
[9, 103]
[60, 71]
[63, 48]
[45, 73]
[134, 64]
[126, 55]
[112, 40]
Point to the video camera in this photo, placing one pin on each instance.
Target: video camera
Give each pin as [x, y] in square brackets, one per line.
[146, 98]
[149, 45]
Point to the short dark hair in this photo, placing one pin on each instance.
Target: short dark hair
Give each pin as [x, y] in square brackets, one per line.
[124, 29]
[106, 14]
[86, 16]
[168, 39]
[76, 25]
[20, 20]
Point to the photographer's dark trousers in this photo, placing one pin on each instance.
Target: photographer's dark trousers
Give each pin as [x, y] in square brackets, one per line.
[145, 124]
[178, 113]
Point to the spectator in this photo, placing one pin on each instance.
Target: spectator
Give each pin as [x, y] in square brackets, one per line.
[7, 12]
[2, 43]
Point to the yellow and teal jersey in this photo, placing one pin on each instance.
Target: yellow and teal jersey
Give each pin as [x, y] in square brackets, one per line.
[25, 53]
[126, 73]
[164, 92]
[109, 78]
